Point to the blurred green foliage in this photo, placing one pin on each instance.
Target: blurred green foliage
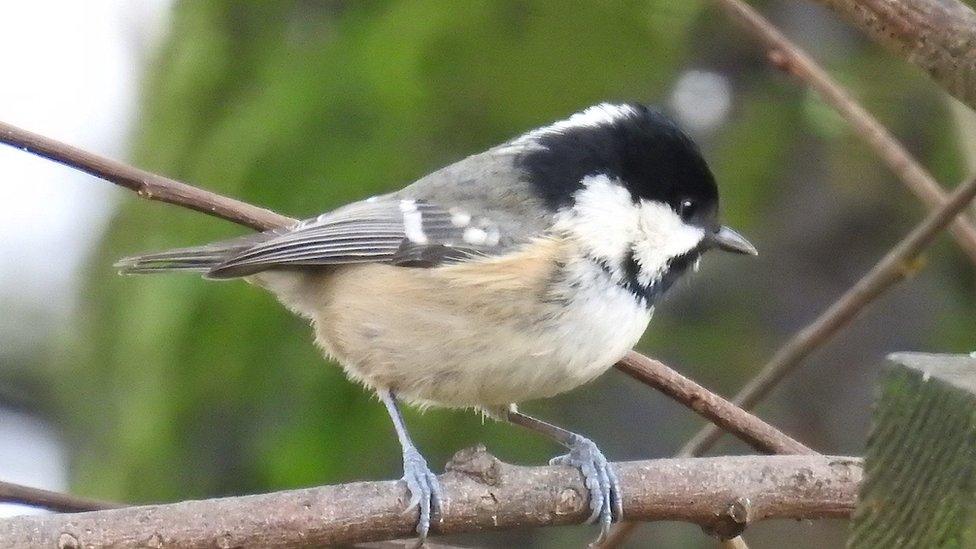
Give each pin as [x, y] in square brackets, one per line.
[173, 387]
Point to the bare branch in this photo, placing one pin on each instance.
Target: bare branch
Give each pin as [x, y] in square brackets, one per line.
[723, 495]
[787, 56]
[747, 427]
[896, 265]
[937, 35]
[46, 499]
[147, 185]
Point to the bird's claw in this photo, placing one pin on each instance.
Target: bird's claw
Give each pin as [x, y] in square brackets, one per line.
[600, 480]
[425, 490]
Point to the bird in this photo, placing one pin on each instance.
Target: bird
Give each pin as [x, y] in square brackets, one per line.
[514, 274]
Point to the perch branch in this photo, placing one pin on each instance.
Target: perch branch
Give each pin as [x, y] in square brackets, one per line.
[899, 263]
[747, 427]
[723, 495]
[789, 57]
[938, 36]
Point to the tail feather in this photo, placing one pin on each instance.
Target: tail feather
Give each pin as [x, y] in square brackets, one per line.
[199, 259]
[184, 259]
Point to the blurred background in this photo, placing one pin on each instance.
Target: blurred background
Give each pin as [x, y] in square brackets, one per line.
[166, 388]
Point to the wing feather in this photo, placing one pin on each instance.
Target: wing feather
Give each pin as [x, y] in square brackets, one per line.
[399, 231]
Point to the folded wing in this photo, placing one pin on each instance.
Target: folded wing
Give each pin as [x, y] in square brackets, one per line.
[405, 232]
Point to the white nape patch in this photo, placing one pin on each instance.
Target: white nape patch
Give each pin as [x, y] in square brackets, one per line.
[609, 225]
[460, 218]
[603, 114]
[413, 222]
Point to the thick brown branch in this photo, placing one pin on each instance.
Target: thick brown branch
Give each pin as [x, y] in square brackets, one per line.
[46, 499]
[787, 56]
[937, 35]
[148, 185]
[747, 427]
[720, 494]
[895, 266]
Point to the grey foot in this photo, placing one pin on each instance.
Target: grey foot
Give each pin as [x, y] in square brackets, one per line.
[600, 480]
[425, 491]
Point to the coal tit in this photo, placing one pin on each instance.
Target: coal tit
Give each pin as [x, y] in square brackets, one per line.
[518, 273]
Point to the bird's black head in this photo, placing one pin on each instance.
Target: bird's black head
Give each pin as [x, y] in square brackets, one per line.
[632, 189]
[632, 143]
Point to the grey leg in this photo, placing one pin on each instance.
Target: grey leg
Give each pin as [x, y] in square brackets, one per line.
[425, 491]
[598, 474]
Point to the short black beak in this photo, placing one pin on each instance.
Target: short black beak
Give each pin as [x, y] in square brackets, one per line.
[730, 241]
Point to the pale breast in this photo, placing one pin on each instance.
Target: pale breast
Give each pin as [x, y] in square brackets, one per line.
[482, 333]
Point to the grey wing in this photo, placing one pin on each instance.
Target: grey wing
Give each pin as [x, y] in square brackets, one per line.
[478, 206]
[406, 232]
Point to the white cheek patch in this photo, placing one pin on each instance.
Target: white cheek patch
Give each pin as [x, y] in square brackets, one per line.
[664, 237]
[604, 218]
[413, 222]
[610, 226]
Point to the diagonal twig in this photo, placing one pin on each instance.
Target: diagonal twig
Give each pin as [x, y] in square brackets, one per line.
[747, 427]
[147, 185]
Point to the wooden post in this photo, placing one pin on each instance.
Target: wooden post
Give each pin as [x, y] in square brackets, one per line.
[919, 488]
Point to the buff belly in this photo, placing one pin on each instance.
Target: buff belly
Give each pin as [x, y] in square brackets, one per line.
[482, 334]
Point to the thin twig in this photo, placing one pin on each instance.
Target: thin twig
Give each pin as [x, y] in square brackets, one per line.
[54, 501]
[787, 56]
[750, 429]
[723, 495]
[898, 264]
[146, 184]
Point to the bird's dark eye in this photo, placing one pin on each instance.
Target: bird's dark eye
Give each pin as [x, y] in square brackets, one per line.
[686, 209]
